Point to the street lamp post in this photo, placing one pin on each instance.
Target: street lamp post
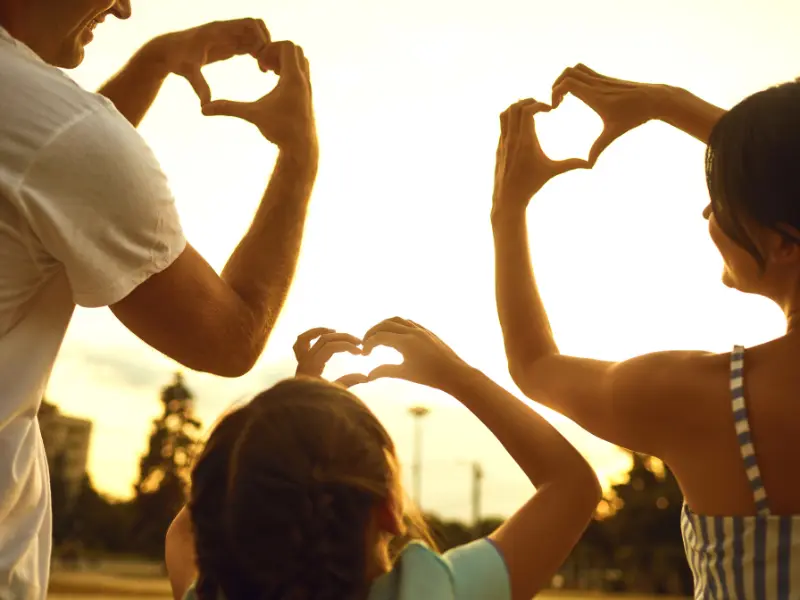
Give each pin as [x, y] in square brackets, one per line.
[418, 412]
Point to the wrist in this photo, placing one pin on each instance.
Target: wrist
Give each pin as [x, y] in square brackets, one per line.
[302, 160]
[507, 215]
[459, 377]
[157, 55]
[663, 100]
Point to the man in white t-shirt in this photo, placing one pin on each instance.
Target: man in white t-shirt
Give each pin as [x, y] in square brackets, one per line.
[87, 218]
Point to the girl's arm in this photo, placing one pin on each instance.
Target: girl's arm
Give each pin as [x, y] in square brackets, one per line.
[540, 536]
[180, 557]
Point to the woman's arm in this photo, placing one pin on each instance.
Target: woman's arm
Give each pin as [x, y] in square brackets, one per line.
[635, 403]
[540, 536]
[685, 111]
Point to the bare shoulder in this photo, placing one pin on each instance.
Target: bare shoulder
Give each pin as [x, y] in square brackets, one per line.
[672, 378]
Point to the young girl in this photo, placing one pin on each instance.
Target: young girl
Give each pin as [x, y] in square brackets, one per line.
[297, 495]
[726, 424]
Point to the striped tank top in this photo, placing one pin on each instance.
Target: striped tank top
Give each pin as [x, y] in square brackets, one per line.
[743, 558]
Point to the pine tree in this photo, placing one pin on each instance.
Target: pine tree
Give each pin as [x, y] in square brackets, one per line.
[164, 468]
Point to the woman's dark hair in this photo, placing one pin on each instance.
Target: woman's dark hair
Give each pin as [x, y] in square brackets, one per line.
[752, 164]
[282, 496]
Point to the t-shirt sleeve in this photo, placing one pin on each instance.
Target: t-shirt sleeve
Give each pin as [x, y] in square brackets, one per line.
[479, 571]
[98, 202]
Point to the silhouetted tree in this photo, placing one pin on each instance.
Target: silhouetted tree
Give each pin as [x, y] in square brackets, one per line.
[164, 468]
[645, 530]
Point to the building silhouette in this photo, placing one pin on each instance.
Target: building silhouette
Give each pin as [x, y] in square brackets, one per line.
[66, 443]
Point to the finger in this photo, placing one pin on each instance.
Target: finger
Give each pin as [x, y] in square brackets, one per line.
[352, 379]
[303, 342]
[395, 336]
[584, 69]
[524, 129]
[228, 108]
[263, 40]
[199, 85]
[605, 79]
[286, 56]
[321, 353]
[580, 89]
[583, 73]
[333, 336]
[395, 324]
[604, 140]
[570, 164]
[387, 372]
[264, 35]
[516, 112]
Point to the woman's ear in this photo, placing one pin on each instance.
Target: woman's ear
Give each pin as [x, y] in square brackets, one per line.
[785, 247]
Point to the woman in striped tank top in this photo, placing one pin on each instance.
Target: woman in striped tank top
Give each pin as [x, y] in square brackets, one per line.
[728, 425]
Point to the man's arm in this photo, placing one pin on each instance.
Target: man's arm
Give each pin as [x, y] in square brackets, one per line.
[134, 88]
[221, 324]
[109, 219]
[228, 318]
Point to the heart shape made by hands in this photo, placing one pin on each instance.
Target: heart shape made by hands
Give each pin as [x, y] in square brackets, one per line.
[569, 130]
[239, 79]
[346, 364]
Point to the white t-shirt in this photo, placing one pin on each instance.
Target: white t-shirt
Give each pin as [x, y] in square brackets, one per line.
[86, 215]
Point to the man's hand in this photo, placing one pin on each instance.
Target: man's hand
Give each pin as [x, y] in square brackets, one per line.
[185, 53]
[311, 359]
[522, 167]
[285, 116]
[623, 105]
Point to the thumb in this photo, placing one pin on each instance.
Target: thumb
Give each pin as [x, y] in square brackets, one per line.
[608, 135]
[228, 108]
[563, 166]
[387, 372]
[352, 379]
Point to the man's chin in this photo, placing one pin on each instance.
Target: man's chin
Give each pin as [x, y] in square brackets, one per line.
[727, 281]
[72, 56]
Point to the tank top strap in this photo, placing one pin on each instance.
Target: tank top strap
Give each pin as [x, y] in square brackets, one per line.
[743, 434]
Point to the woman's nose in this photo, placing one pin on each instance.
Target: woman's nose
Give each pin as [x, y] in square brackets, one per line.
[707, 212]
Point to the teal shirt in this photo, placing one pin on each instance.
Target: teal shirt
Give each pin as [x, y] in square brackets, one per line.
[475, 571]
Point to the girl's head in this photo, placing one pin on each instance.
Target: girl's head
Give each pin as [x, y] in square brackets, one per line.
[295, 496]
[754, 184]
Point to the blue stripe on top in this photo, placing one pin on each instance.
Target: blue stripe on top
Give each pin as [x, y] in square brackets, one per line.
[743, 558]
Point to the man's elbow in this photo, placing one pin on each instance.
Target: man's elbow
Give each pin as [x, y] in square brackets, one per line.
[230, 355]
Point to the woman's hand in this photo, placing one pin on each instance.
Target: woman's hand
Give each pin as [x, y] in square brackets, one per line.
[311, 359]
[623, 105]
[522, 168]
[426, 359]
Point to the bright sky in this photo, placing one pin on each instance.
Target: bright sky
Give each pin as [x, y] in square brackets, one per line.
[407, 95]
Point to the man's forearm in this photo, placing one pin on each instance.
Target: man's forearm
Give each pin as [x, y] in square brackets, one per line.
[262, 267]
[134, 89]
[687, 112]
[526, 328]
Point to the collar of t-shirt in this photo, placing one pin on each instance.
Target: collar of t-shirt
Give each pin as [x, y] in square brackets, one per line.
[6, 39]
